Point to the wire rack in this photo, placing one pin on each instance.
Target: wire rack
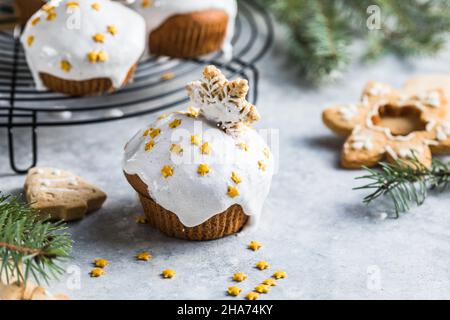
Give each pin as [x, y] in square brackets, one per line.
[21, 106]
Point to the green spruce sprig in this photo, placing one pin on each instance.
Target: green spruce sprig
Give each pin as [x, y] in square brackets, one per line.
[30, 246]
[405, 183]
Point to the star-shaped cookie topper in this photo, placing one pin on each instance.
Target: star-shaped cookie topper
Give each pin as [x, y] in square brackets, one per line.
[392, 124]
[222, 101]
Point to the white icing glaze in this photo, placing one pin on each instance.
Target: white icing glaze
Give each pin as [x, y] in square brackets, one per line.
[348, 112]
[160, 10]
[410, 153]
[443, 131]
[194, 198]
[69, 37]
[361, 141]
[379, 89]
[431, 99]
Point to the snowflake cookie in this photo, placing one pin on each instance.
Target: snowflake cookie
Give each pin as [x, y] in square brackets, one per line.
[407, 123]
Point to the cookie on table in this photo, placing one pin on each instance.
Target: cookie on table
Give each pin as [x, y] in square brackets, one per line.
[390, 124]
[61, 194]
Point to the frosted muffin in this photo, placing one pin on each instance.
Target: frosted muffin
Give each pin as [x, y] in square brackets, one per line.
[84, 47]
[188, 28]
[203, 173]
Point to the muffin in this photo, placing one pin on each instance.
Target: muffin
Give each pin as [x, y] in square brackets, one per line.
[83, 47]
[188, 28]
[27, 8]
[202, 173]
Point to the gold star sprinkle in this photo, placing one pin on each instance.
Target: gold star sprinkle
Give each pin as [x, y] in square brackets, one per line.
[112, 29]
[146, 3]
[176, 148]
[266, 153]
[167, 76]
[167, 171]
[280, 274]
[141, 219]
[262, 288]
[101, 263]
[97, 272]
[236, 177]
[192, 112]
[205, 148]
[242, 145]
[30, 40]
[65, 65]
[203, 169]
[92, 56]
[155, 132]
[234, 291]
[175, 123]
[262, 265]
[232, 192]
[102, 56]
[72, 4]
[99, 37]
[196, 140]
[149, 145]
[252, 296]
[239, 276]
[254, 245]
[35, 21]
[270, 282]
[47, 8]
[168, 274]
[163, 116]
[95, 6]
[144, 256]
[51, 16]
[261, 165]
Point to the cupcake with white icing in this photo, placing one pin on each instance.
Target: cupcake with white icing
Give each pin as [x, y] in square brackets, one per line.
[203, 173]
[188, 28]
[83, 47]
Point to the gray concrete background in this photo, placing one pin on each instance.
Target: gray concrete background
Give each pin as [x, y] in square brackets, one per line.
[314, 226]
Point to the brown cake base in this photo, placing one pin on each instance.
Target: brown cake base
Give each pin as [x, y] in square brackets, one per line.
[223, 224]
[82, 88]
[27, 8]
[190, 35]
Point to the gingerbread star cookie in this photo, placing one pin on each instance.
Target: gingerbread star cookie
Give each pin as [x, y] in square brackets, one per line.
[408, 123]
[61, 194]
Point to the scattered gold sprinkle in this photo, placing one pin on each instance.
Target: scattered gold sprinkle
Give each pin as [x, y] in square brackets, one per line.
[192, 112]
[242, 145]
[252, 296]
[65, 65]
[270, 282]
[203, 169]
[112, 29]
[163, 116]
[95, 6]
[101, 263]
[93, 56]
[280, 274]
[30, 40]
[232, 192]
[141, 219]
[262, 265]
[254, 245]
[102, 56]
[51, 16]
[262, 288]
[146, 3]
[266, 153]
[144, 256]
[236, 177]
[234, 291]
[239, 277]
[99, 37]
[168, 273]
[97, 272]
[35, 21]
[72, 4]
[47, 8]
[176, 148]
[167, 76]
[167, 171]
[149, 145]
[261, 165]
[205, 148]
[155, 132]
[175, 123]
[195, 139]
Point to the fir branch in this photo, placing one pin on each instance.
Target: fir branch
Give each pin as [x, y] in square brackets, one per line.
[30, 245]
[405, 183]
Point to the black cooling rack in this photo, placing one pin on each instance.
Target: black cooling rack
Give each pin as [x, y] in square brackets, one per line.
[21, 106]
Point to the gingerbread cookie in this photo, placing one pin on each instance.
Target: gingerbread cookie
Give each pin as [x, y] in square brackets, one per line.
[412, 122]
[61, 194]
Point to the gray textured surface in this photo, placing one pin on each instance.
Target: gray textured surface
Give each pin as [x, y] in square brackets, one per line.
[313, 225]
